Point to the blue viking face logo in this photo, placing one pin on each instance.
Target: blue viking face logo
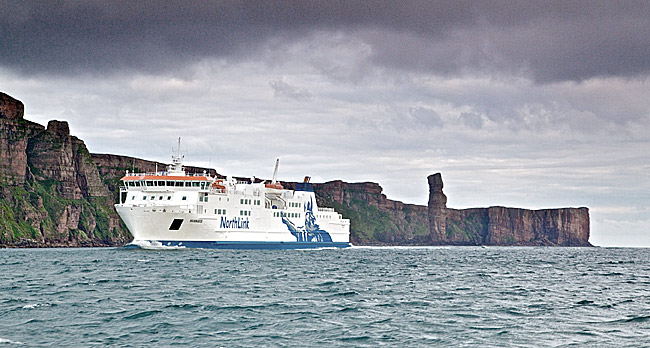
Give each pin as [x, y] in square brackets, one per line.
[310, 232]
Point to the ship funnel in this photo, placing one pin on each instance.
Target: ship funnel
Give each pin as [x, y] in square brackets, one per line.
[275, 172]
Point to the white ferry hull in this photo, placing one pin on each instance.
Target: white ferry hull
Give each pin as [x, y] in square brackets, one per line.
[149, 225]
[175, 209]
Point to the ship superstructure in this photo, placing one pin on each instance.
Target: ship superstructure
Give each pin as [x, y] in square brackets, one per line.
[176, 209]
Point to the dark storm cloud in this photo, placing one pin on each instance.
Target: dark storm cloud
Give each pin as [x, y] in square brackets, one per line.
[546, 41]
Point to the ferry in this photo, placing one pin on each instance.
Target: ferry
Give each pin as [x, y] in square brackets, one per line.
[174, 209]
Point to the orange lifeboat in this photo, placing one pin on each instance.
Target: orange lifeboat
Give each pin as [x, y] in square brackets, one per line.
[219, 186]
[276, 186]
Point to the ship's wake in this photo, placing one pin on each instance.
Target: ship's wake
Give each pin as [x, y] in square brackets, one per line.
[152, 245]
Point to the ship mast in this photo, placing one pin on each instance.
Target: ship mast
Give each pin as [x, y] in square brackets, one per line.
[275, 172]
[177, 162]
[178, 149]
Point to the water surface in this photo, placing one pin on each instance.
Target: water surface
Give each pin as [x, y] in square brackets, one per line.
[362, 297]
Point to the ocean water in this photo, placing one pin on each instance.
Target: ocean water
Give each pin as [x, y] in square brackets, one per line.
[357, 297]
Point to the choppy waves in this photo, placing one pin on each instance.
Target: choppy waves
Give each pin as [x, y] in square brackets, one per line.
[362, 297]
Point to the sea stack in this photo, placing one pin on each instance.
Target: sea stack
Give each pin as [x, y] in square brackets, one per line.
[437, 208]
[502, 225]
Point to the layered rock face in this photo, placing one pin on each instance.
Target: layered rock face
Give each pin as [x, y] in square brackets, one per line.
[504, 226]
[51, 191]
[10, 108]
[14, 135]
[54, 154]
[374, 219]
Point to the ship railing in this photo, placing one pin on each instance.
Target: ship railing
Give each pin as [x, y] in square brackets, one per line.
[331, 210]
[165, 173]
[143, 174]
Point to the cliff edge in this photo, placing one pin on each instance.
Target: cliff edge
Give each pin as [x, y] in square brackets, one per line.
[504, 226]
[51, 193]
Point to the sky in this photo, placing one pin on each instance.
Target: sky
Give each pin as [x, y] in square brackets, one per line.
[531, 104]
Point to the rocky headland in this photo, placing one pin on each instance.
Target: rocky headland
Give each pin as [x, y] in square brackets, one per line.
[55, 193]
[504, 226]
[51, 192]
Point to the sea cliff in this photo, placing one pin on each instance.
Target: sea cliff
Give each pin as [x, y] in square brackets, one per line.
[503, 226]
[54, 193]
[377, 220]
[51, 193]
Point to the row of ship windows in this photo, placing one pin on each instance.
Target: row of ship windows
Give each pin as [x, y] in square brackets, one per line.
[241, 212]
[248, 213]
[289, 215]
[202, 198]
[160, 198]
[201, 184]
[294, 205]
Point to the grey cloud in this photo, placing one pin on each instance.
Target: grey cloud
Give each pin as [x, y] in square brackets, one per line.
[426, 117]
[546, 41]
[284, 90]
[472, 120]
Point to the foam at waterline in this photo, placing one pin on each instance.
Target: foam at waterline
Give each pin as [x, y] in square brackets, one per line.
[34, 305]
[8, 341]
[152, 245]
[320, 248]
[434, 247]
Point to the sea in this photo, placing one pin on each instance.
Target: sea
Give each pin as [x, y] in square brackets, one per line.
[355, 297]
